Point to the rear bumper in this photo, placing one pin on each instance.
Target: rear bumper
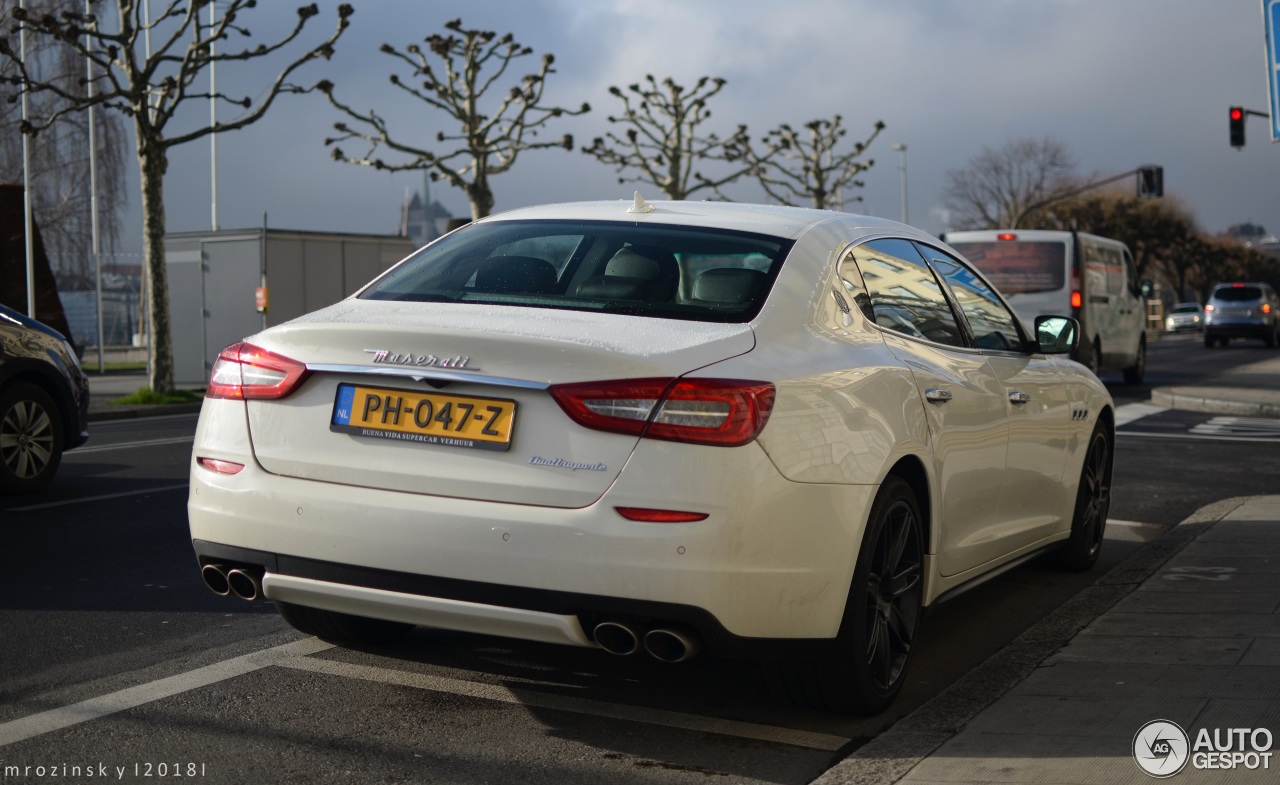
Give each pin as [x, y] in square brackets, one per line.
[767, 572]
[1239, 329]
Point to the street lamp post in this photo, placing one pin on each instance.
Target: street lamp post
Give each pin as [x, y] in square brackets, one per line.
[902, 148]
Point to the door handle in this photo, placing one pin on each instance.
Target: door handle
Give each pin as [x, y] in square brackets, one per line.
[1018, 397]
[934, 395]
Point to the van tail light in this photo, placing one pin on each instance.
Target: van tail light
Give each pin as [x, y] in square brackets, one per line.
[247, 372]
[720, 412]
[1076, 300]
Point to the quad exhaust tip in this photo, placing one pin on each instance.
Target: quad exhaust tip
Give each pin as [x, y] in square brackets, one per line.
[243, 582]
[215, 577]
[617, 638]
[671, 645]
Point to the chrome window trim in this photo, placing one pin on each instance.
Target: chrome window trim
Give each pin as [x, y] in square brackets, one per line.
[428, 373]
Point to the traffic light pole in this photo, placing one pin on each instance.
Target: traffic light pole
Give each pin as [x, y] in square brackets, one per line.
[1152, 176]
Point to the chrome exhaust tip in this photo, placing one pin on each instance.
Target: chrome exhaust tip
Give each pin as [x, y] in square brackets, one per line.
[244, 584]
[215, 577]
[616, 638]
[671, 645]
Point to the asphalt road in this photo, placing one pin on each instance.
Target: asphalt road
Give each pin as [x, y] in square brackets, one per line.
[115, 654]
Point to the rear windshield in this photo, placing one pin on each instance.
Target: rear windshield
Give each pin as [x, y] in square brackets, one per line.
[671, 272]
[1235, 294]
[1019, 267]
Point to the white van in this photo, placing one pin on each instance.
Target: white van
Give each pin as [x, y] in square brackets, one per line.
[1068, 273]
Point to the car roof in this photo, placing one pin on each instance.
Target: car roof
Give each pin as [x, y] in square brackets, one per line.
[774, 220]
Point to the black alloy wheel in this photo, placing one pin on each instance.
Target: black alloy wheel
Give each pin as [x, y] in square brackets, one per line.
[1093, 503]
[891, 601]
[30, 439]
[866, 665]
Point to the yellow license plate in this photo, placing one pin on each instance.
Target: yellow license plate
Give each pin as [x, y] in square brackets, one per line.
[426, 417]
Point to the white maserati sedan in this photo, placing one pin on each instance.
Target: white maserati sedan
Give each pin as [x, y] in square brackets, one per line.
[655, 429]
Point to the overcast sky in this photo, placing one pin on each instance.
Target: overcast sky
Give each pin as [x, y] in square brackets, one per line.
[1121, 83]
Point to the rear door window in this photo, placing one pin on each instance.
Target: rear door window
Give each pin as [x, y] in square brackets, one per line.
[992, 324]
[904, 294]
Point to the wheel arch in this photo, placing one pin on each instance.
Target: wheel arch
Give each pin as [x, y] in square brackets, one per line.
[36, 376]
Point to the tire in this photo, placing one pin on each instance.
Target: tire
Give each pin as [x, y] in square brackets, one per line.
[31, 439]
[1136, 372]
[866, 666]
[1093, 503]
[342, 628]
[1095, 359]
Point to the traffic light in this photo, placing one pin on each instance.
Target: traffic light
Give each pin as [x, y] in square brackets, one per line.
[1150, 182]
[1236, 114]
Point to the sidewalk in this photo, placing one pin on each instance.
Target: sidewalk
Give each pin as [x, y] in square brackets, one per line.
[1193, 638]
[105, 388]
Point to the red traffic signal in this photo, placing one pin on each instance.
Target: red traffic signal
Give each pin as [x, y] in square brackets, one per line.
[1236, 116]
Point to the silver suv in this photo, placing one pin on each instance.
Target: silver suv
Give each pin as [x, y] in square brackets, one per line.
[1242, 310]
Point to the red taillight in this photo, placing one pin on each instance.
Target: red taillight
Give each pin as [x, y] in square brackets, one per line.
[1007, 236]
[1076, 300]
[1210, 308]
[244, 371]
[1266, 307]
[722, 412]
[646, 515]
[220, 466]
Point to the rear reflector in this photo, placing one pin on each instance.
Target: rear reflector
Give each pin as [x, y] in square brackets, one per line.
[645, 515]
[220, 466]
[244, 371]
[721, 412]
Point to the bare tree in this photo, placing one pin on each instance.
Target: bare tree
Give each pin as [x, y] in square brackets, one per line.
[806, 166]
[59, 176]
[147, 70]
[998, 186]
[486, 144]
[662, 144]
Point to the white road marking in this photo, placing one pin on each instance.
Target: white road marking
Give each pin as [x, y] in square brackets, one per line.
[1136, 411]
[1239, 427]
[103, 497]
[56, 719]
[1199, 437]
[593, 708]
[1132, 531]
[129, 445]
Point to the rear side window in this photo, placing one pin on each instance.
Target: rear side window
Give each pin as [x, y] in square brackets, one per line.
[1236, 294]
[670, 272]
[1017, 266]
[905, 296]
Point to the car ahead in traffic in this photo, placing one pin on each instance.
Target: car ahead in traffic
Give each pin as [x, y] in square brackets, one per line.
[1184, 317]
[1089, 277]
[1242, 310]
[44, 402]
[764, 432]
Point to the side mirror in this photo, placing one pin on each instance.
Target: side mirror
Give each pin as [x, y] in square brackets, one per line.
[1057, 334]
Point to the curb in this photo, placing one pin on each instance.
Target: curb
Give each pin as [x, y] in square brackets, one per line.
[891, 755]
[1173, 398]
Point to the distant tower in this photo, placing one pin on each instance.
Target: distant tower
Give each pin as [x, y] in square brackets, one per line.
[423, 220]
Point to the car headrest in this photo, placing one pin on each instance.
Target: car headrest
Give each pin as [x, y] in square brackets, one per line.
[728, 285]
[516, 275]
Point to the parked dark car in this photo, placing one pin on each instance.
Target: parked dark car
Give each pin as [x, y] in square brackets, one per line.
[44, 402]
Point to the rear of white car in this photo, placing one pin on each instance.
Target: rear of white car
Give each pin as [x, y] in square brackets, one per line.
[769, 432]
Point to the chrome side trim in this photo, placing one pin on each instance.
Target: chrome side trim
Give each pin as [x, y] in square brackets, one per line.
[427, 611]
[428, 373]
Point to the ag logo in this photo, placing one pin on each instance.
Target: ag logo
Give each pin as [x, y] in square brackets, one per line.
[1160, 748]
